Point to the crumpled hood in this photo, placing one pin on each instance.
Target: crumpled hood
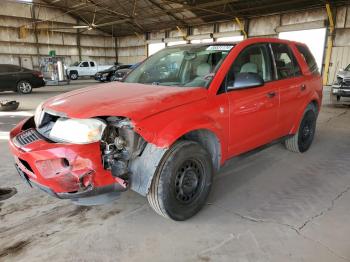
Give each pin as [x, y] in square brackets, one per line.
[135, 101]
[344, 74]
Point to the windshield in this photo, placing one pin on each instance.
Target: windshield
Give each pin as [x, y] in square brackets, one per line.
[187, 66]
[347, 68]
[75, 64]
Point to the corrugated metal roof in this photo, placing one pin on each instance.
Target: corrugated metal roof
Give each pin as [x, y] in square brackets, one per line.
[125, 17]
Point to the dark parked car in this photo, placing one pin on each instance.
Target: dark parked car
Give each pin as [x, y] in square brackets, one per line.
[19, 79]
[122, 72]
[109, 74]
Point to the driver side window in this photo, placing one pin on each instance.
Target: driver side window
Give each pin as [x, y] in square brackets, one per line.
[253, 59]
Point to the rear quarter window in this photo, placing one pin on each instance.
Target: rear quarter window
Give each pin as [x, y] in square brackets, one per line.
[309, 59]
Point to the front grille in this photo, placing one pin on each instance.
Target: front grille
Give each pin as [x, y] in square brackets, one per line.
[27, 137]
[347, 82]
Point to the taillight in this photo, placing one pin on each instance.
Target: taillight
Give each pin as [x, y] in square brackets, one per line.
[38, 74]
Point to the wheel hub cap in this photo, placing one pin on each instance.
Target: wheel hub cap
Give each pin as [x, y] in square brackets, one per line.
[306, 131]
[187, 181]
[25, 87]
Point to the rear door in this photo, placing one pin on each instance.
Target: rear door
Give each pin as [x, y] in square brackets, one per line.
[253, 111]
[8, 77]
[292, 86]
[93, 68]
[313, 78]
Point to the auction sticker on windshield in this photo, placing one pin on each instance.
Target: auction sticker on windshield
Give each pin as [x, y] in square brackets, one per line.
[219, 47]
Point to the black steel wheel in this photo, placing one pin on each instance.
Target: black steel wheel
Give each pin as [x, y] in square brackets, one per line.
[189, 181]
[182, 184]
[302, 140]
[307, 131]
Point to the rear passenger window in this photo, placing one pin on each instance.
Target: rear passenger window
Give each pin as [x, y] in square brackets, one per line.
[286, 63]
[309, 58]
[92, 64]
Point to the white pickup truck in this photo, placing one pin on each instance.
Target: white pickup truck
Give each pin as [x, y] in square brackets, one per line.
[84, 68]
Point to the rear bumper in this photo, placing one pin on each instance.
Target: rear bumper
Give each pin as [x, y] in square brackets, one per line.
[38, 82]
[65, 171]
[339, 90]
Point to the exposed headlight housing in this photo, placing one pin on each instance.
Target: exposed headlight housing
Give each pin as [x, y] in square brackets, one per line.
[77, 131]
[38, 115]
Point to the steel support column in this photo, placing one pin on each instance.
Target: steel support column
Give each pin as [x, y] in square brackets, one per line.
[329, 44]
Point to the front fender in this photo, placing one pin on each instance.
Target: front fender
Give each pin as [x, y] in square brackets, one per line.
[164, 132]
[160, 140]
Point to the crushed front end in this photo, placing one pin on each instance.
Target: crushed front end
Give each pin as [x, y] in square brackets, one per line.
[75, 170]
[341, 87]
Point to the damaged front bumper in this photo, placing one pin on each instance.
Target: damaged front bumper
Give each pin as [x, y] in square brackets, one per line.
[340, 90]
[66, 171]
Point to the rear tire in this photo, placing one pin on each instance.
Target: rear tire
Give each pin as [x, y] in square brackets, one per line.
[302, 140]
[182, 182]
[24, 87]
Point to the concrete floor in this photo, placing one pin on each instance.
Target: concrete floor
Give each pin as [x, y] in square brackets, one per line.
[270, 206]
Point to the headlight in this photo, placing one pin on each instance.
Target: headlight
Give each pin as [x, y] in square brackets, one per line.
[77, 131]
[38, 115]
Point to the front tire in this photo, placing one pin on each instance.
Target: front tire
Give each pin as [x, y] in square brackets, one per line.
[73, 76]
[182, 182]
[302, 140]
[24, 87]
[334, 99]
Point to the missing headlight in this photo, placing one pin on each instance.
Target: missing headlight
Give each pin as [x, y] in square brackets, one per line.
[120, 144]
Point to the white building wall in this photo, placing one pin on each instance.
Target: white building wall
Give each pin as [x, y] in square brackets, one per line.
[95, 45]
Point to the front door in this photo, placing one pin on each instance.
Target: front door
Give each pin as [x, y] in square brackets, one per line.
[253, 111]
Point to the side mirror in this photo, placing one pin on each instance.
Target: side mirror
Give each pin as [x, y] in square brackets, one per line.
[246, 80]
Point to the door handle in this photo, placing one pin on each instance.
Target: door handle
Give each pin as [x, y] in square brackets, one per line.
[302, 87]
[271, 94]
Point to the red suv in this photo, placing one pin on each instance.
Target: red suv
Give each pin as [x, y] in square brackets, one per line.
[169, 126]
